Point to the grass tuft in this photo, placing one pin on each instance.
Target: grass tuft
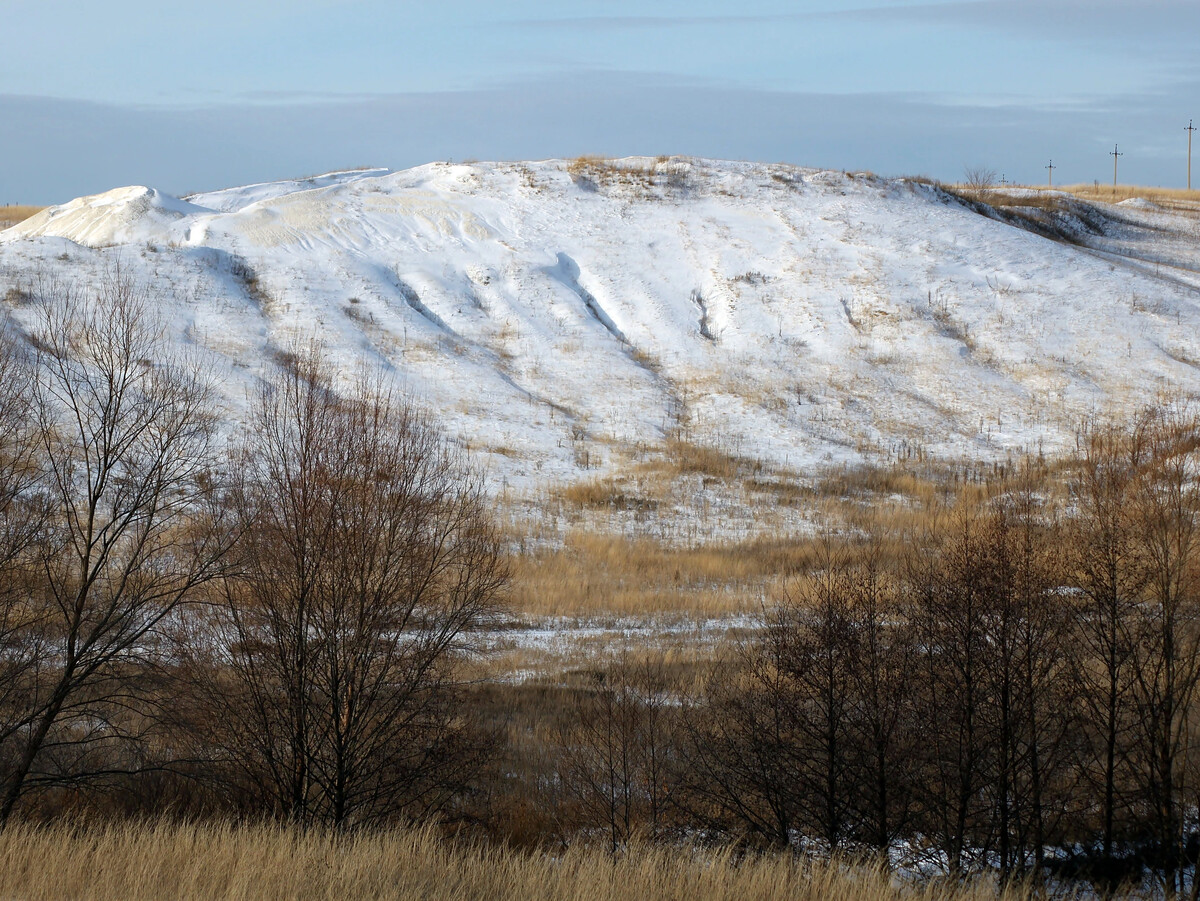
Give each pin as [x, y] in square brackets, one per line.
[141, 862]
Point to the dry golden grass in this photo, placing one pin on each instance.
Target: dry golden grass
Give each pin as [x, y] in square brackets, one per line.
[1051, 200]
[1102, 192]
[1106, 193]
[686, 457]
[594, 572]
[600, 574]
[11, 215]
[620, 556]
[136, 862]
[604, 172]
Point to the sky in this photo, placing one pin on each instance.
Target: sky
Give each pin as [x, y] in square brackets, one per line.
[192, 97]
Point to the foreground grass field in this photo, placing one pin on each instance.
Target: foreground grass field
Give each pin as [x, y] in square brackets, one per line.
[134, 862]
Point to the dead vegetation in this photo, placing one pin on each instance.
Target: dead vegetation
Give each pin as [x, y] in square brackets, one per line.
[1051, 214]
[261, 863]
[662, 173]
[1107, 194]
[302, 636]
[602, 575]
[11, 214]
[619, 555]
[1067, 213]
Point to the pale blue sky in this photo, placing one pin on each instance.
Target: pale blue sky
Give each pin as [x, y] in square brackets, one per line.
[196, 96]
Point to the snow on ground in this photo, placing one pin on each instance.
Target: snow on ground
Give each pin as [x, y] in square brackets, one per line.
[528, 649]
[565, 319]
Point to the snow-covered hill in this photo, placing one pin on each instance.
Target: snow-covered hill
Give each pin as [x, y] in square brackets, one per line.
[556, 313]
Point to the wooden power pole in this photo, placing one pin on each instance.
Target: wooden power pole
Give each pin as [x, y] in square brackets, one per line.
[1114, 155]
[1190, 129]
[1050, 169]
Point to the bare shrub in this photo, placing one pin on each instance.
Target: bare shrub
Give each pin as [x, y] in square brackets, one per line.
[979, 180]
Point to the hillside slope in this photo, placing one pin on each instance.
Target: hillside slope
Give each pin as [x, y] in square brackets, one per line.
[562, 316]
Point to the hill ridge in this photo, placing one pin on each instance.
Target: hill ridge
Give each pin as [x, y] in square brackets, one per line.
[567, 317]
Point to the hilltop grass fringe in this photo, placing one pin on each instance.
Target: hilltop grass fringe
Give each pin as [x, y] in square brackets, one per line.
[131, 862]
[11, 215]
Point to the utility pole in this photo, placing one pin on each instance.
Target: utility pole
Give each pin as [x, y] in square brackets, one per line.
[1189, 130]
[1050, 183]
[1114, 155]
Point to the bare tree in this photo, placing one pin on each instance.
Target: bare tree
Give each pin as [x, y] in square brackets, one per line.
[808, 730]
[740, 748]
[616, 755]
[124, 430]
[979, 180]
[948, 578]
[1044, 699]
[811, 636]
[882, 704]
[1166, 659]
[21, 519]
[366, 558]
[1108, 567]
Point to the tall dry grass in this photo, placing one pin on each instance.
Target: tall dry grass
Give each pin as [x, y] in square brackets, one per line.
[596, 172]
[1164, 196]
[11, 215]
[597, 574]
[1100, 191]
[136, 862]
[595, 571]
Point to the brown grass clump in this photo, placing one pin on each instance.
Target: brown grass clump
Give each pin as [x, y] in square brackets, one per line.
[690, 457]
[595, 172]
[682, 458]
[264, 863]
[604, 493]
[11, 215]
[597, 573]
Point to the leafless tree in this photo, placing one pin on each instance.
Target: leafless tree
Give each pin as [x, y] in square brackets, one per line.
[1166, 658]
[811, 636]
[123, 429]
[1045, 697]
[948, 579]
[21, 519]
[740, 748]
[1029, 701]
[1108, 566]
[616, 756]
[366, 558]
[979, 180]
[882, 704]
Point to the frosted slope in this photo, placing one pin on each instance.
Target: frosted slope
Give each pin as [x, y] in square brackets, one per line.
[567, 318]
[120, 216]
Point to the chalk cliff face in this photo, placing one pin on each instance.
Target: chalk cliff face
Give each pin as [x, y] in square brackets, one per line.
[555, 313]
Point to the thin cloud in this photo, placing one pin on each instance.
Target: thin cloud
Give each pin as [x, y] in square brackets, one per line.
[1060, 20]
[634, 23]
[1063, 20]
